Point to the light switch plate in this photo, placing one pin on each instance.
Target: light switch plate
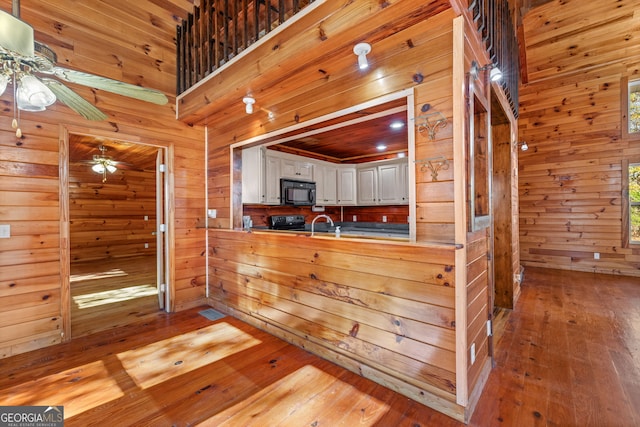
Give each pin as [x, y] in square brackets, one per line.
[5, 231]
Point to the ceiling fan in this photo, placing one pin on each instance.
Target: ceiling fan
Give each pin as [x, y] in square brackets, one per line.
[101, 163]
[21, 58]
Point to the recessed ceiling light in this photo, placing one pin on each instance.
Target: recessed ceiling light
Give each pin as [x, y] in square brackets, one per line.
[396, 125]
[381, 147]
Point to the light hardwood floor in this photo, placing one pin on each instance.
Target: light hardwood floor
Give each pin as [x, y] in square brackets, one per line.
[112, 293]
[569, 356]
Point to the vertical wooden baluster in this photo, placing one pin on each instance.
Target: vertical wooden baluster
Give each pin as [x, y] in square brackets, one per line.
[268, 16]
[190, 50]
[197, 45]
[281, 10]
[179, 87]
[245, 29]
[296, 6]
[208, 35]
[225, 37]
[256, 13]
[216, 32]
[236, 29]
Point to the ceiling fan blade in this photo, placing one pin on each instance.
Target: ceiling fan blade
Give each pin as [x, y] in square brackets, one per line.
[114, 86]
[74, 101]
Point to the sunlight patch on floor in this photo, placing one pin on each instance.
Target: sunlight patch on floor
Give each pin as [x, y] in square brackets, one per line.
[166, 359]
[114, 272]
[93, 386]
[292, 398]
[114, 296]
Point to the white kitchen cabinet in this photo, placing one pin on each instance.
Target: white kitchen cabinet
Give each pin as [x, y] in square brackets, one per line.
[253, 175]
[296, 169]
[404, 182]
[367, 186]
[326, 178]
[389, 190]
[382, 184]
[347, 185]
[272, 180]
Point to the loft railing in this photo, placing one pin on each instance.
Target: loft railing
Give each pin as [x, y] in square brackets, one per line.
[219, 30]
[495, 25]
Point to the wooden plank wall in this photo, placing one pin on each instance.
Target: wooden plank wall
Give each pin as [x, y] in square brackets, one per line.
[570, 178]
[269, 280]
[384, 305]
[107, 220]
[118, 40]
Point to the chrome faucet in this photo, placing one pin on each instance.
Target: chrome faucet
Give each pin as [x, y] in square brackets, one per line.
[329, 220]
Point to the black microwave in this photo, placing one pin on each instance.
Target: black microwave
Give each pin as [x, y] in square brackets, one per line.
[297, 193]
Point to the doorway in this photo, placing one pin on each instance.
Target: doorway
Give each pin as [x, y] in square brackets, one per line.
[503, 238]
[114, 194]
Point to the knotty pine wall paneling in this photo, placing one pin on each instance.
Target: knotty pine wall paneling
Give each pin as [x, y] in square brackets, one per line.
[132, 42]
[107, 219]
[570, 178]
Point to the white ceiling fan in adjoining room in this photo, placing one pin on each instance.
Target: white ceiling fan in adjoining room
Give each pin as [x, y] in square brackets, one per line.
[30, 68]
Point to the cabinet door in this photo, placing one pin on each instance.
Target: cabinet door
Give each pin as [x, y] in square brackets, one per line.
[326, 178]
[367, 186]
[272, 180]
[347, 186]
[253, 168]
[304, 171]
[389, 191]
[295, 169]
[404, 182]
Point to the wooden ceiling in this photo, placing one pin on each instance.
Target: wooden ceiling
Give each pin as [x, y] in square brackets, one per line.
[82, 148]
[553, 35]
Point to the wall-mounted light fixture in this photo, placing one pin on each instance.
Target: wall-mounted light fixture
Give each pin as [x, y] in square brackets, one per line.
[494, 75]
[430, 123]
[248, 101]
[523, 145]
[361, 50]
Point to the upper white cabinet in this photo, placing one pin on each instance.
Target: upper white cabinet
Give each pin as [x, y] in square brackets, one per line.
[367, 186]
[326, 178]
[296, 169]
[272, 179]
[377, 183]
[383, 184]
[347, 185]
[253, 175]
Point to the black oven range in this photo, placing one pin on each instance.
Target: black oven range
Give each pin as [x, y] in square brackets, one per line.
[286, 222]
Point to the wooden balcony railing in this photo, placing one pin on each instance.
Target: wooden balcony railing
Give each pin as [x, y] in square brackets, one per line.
[218, 30]
[495, 24]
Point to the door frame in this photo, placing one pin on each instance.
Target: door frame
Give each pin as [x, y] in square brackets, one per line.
[164, 258]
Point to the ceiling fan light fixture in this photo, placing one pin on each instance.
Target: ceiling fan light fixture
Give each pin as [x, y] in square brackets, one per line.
[22, 100]
[111, 168]
[36, 93]
[98, 168]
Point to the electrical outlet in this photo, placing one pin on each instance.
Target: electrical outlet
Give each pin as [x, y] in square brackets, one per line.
[384, 218]
[5, 231]
[146, 217]
[355, 218]
[212, 213]
[146, 246]
[473, 353]
[596, 255]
